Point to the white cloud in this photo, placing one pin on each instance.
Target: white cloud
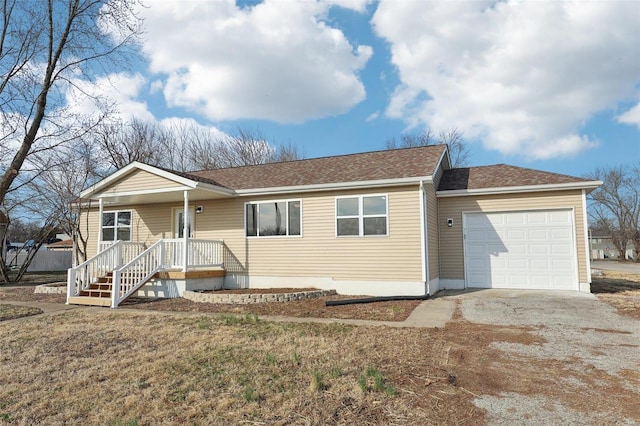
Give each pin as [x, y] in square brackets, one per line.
[277, 60]
[632, 116]
[522, 76]
[373, 116]
[121, 90]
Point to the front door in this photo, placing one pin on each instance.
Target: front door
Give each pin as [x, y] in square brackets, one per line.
[178, 223]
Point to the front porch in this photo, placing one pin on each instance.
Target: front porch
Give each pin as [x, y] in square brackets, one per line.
[165, 269]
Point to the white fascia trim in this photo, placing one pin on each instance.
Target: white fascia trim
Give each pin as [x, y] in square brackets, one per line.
[439, 163]
[513, 189]
[334, 186]
[142, 192]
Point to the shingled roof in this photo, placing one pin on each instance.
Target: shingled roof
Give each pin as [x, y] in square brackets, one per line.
[368, 166]
[501, 176]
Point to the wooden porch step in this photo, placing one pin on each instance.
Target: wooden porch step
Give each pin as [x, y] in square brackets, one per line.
[101, 286]
[91, 301]
[96, 293]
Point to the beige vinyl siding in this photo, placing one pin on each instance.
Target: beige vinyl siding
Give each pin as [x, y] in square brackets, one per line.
[318, 252]
[432, 232]
[451, 243]
[139, 180]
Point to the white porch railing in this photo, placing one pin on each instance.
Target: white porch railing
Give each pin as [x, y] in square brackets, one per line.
[165, 254]
[201, 253]
[134, 274]
[128, 250]
[114, 256]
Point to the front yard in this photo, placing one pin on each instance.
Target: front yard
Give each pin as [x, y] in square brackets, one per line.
[98, 366]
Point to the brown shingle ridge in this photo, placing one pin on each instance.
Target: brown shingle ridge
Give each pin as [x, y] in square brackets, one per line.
[501, 176]
[190, 176]
[367, 166]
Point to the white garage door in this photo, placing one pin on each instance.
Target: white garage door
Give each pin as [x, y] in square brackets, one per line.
[524, 249]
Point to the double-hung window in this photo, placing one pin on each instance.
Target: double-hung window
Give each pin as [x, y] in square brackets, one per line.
[273, 218]
[362, 215]
[116, 226]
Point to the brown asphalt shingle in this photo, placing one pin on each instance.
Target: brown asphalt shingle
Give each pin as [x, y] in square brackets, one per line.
[499, 176]
[368, 166]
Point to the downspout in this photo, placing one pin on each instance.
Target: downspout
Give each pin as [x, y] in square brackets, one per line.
[424, 243]
[587, 245]
[185, 231]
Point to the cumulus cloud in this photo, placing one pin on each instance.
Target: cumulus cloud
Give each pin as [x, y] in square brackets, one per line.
[121, 90]
[522, 76]
[277, 60]
[632, 116]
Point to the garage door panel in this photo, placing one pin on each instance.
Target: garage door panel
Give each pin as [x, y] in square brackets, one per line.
[559, 217]
[560, 233]
[514, 219]
[561, 249]
[515, 234]
[538, 234]
[541, 264]
[534, 250]
[534, 218]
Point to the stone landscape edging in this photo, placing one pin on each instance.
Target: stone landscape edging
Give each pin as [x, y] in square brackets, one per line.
[51, 288]
[250, 298]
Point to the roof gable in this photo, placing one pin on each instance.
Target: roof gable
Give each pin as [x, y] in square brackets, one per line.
[369, 166]
[505, 176]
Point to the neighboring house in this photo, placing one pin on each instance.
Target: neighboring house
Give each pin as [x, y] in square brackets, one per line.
[64, 245]
[395, 222]
[602, 246]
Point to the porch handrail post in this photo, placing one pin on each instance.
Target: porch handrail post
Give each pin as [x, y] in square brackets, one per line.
[100, 209]
[185, 230]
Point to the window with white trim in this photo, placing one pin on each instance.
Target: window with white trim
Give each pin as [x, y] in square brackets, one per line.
[362, 215]
[273, 218]
[116, 225]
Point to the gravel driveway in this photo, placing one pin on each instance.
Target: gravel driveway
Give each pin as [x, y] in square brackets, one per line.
[585, 334]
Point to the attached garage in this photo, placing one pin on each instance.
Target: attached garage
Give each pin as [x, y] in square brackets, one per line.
[526, 249]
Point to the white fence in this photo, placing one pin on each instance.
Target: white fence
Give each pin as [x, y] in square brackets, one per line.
[43, 261]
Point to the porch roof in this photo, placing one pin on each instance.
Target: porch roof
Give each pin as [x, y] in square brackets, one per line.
[157, 186]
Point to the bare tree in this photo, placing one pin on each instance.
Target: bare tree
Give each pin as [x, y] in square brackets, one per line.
[458, 150]
[136, 140]
[615, 206]
[246, 148]
[47, 49]
[68, 171]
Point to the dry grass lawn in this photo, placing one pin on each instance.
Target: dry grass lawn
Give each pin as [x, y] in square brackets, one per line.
[97, 366]
[8, 312]
[619, 289]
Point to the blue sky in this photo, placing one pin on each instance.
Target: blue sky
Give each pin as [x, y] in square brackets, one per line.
[547, 85]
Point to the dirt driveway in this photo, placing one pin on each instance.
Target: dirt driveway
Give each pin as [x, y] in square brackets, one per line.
[598, 348]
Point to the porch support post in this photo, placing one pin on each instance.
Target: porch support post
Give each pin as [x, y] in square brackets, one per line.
[100, 208]
[185, 230]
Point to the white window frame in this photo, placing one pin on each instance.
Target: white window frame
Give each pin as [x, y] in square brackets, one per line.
[257, 203]
[361, 216]
[115, 225]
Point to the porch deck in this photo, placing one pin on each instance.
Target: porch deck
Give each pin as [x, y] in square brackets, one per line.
[122, 269]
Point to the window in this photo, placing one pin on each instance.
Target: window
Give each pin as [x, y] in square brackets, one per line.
[273, 218]
[116, 226]
[363, 215]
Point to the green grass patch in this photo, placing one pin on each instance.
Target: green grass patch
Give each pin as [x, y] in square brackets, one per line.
[372, 380]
